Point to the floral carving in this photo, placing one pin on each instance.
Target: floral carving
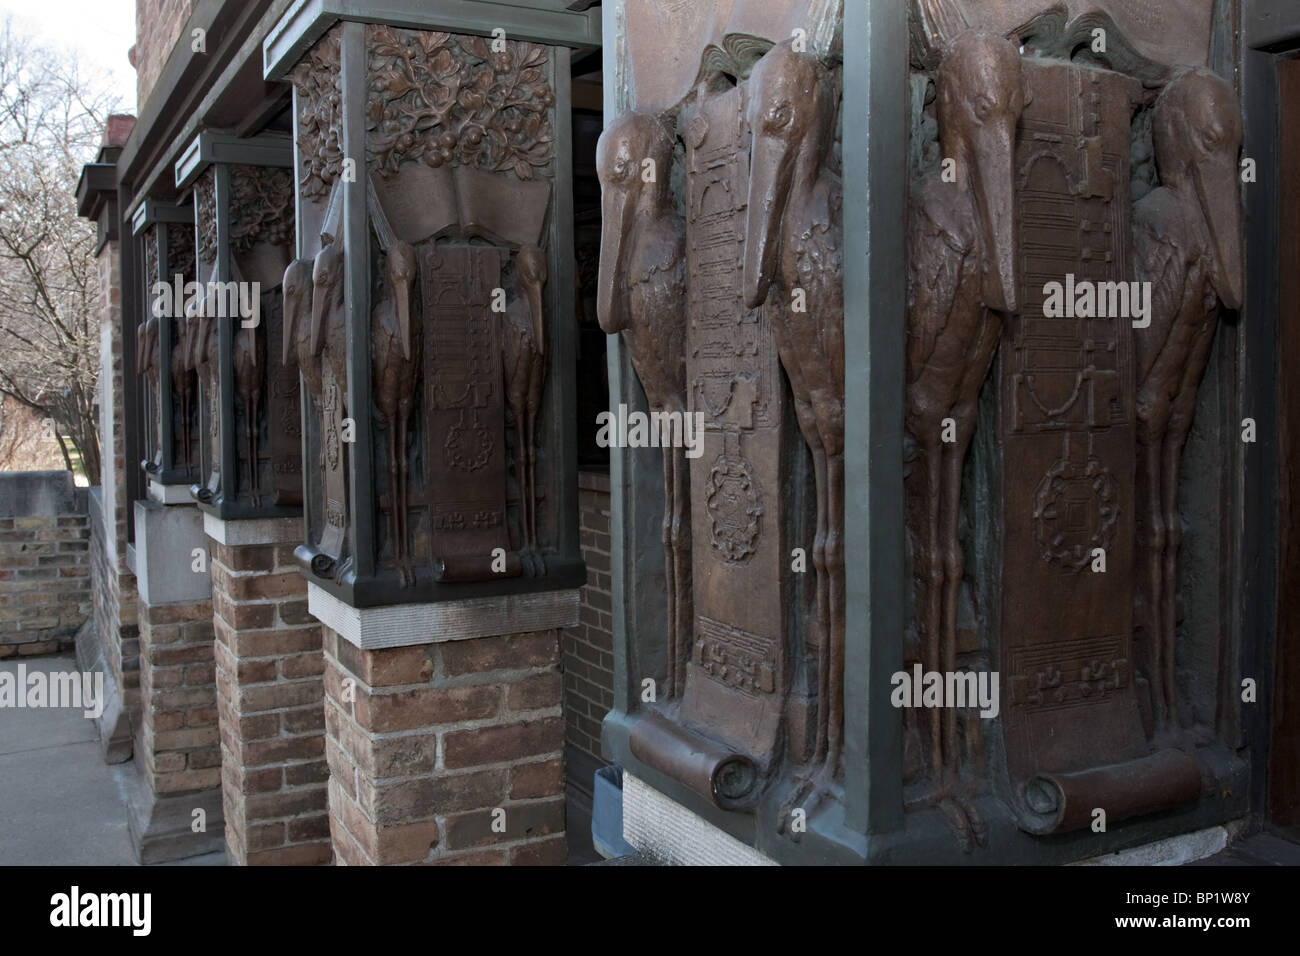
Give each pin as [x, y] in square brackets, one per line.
[180, 249]
[151, 254]
[446, 99]
[205, 215]
[262, 207]
[320, 116]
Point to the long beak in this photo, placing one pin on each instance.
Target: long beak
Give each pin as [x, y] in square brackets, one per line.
[402, 288]
[319, 294]
[996, 199]
[769, 191]
[616, 221]
[1218, 192]
[291, 305]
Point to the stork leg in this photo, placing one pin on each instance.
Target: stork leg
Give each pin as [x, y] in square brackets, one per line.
[953, 566]
[403, 490]
[521, 474]
[670, 571]
[1153, 561]
[684, 624]
[1175, 435]
[530, 449]
[394, 498]
[835, 584]
[933, 592]
[250, 431]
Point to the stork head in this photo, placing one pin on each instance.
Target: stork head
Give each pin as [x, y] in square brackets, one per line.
[401, 276]
[327, 291]
[791, 109]
[621, 156]
[981, 96]
[530, 272]
[296, 287]
[1196, 125]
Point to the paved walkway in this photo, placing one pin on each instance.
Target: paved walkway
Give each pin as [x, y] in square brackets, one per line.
[60, 804]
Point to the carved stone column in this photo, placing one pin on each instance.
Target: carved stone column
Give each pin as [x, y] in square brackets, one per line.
[431, 316]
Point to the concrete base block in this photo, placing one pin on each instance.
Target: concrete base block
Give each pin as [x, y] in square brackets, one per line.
[670, 833]
[162, 827]
[169, 494]
[1174, 851]
[165, 539]
[114, 724]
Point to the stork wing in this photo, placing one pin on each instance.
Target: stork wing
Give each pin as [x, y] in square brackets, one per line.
[1158, 260]
[936, 259]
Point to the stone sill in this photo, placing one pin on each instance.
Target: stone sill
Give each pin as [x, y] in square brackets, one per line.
[405, 625]
[246, 531]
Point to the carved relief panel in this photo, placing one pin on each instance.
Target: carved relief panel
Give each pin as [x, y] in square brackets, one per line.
[728, 201]
[251, 431]
[427, 340]
[1047, 557]
[164, 358]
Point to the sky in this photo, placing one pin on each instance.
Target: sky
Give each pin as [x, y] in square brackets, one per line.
[101, 31]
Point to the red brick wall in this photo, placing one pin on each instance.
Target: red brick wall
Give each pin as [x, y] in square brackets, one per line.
[158, 26]
[269, 664]
[589, 648]
[44, 576]
[176, 743]
[426, 742]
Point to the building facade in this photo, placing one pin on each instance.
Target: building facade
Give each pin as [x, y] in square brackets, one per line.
[865, 424]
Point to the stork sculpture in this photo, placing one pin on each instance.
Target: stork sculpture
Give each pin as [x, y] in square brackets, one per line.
[962, 278]
[295, 345]
[205, 358]
[147, 363]
[248, 386]
[395, 359]
[328, 347]
[641, 291]
[328, 340]
[1187, 244]
[793, 243]
[524, 362]
[183, 382]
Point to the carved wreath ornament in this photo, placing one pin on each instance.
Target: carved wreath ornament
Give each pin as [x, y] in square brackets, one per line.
[734, 507]
[451, 100]
[1075, 511]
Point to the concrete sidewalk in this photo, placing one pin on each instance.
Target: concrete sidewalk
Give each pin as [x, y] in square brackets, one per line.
[60, 804]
